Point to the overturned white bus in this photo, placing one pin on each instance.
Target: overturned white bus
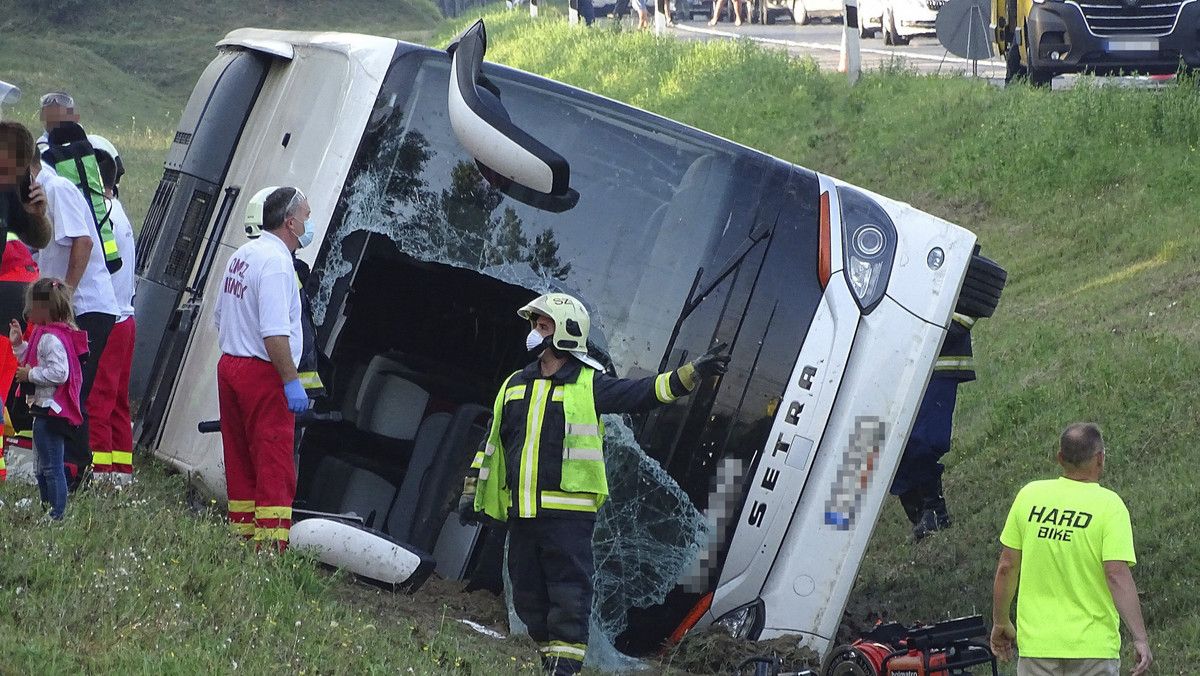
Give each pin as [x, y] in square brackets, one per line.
[447, 193]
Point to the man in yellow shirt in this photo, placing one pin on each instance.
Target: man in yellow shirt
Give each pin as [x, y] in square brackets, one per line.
[1069, 542]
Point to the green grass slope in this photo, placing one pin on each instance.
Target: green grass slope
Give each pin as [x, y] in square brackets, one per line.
[167, 44]
[139, 583]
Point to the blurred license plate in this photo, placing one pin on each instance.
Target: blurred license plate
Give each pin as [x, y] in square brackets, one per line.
[1142, 45]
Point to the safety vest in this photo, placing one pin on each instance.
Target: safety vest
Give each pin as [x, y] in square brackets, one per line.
[73, 158]
[584, 485]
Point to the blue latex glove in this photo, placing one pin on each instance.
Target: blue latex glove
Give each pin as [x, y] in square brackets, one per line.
[297, 398]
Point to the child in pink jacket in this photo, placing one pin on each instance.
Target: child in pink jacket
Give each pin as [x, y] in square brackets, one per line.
[50, 362]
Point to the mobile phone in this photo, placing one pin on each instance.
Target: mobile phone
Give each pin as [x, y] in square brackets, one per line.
[25, 187]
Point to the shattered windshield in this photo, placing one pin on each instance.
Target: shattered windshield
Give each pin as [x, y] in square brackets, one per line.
[651, 205]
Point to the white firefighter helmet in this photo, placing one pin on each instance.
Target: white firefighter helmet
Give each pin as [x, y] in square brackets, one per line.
[254, 211]
[101, 144]
[571, 323]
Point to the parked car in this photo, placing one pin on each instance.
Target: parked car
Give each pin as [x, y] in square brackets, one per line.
[803, 10]
[898, 20]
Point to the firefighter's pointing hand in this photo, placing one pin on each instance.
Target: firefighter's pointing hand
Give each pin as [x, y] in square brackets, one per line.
[713, 362]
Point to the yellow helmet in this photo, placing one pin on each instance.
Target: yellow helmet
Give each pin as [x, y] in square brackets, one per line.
[571, 320]
[254, 211]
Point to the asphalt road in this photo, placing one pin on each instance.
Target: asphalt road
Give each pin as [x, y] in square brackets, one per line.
[822, 39]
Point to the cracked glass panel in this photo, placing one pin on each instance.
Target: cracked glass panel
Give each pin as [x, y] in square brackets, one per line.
[648, 534]
[651, 205]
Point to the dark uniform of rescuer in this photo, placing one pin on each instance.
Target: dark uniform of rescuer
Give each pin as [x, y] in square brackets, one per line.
[918, 480]
[542, 469]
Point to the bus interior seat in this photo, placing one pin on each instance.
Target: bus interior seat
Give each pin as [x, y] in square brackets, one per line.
[443, 481]
[353, 386]
[425, 451]
[433, 483]
[328, 485]
[389, 404]
[369, 496]
[687, 214]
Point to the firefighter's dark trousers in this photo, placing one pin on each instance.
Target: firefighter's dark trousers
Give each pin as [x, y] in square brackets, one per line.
[550, 565]
[919, 471]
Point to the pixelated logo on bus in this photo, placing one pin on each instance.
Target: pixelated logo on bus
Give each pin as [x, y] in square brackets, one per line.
[859, 463]
[724, 499]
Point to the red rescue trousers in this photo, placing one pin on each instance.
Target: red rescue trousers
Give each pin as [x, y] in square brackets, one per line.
[110, 433]
[258, 433]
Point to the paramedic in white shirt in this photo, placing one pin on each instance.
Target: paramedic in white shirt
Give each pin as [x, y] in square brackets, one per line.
[258, 320]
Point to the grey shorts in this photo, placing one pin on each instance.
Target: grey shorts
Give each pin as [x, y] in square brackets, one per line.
[1056, 666]
[638, 5]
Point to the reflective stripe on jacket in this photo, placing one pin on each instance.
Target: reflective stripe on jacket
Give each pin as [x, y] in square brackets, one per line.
[544, 451]
[956, 359]
[310, 378]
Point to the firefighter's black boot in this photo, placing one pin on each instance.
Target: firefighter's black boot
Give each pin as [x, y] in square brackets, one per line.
[913, 503]
[561, 666]
[934, 515]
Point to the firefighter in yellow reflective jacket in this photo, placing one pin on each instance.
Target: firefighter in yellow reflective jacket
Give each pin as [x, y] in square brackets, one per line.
[918, 480]
[542, 469]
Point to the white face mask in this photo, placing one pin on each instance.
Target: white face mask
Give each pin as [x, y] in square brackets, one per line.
[306, 237]
[534, 340]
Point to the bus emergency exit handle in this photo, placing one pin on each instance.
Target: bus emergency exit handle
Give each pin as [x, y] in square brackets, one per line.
[306, 418]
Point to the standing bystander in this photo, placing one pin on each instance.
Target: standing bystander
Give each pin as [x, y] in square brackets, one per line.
[57, 107]
[110, 433]
[22, 200]
[258, 320]
[22, 214]
[1069, 543]
[75, 255]
[716, 14]
[50, 363]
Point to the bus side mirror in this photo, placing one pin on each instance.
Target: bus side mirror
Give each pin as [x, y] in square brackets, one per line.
[9, 94]
[510, 159]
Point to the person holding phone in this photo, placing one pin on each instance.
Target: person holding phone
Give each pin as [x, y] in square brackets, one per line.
[74, 254]
[22, 201]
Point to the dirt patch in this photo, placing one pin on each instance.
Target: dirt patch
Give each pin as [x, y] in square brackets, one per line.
[710, 652]
[714, 651]
[436, 604]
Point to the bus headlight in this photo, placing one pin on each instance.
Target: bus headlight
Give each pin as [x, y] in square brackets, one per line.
[868, 246]
[744, 622]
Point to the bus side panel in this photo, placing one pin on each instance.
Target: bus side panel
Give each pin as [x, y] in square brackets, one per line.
[179, 216]
[303, 131]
